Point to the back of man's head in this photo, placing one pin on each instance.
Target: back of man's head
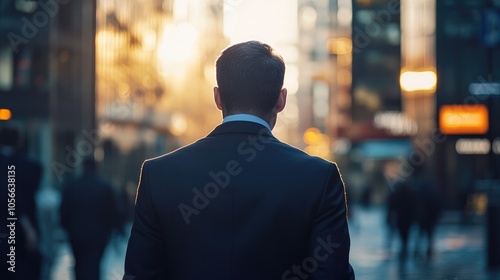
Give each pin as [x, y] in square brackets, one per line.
[249, 77]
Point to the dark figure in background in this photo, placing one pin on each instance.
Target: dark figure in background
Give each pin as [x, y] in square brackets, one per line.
[27, 176]
[427, 211]
[89, 213]
[401, 212]
[240, 204]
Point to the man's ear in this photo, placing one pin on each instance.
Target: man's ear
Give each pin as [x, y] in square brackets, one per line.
[218, 103]
[280, 105]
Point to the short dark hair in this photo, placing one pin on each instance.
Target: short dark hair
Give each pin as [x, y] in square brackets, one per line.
[250, 77]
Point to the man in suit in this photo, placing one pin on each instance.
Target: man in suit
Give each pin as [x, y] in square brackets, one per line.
[239, 204]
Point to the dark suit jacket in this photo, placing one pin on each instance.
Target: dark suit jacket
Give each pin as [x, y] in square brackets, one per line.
[239, 204]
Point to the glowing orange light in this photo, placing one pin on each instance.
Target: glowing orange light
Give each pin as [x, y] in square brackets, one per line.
[5, 114]
[463, 119]
[340, 45]
[311, 136]
[318, 144]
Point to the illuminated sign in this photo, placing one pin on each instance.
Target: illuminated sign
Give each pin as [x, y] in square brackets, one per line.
[484, 88]
[463, 119]
[395, 122]
[473, 146]
[418, 81]
[27, 6]
[496, 146]
[5, 114]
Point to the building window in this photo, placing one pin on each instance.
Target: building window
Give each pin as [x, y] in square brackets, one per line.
[23, 69]
[6, 68]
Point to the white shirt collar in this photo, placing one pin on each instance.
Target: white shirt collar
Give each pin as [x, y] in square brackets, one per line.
[246, 118]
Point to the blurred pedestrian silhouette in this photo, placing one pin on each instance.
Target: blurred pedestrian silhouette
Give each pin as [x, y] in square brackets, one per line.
[89, 213]
[428, 209]
[27, 175]
[401, 212]
[391, 168]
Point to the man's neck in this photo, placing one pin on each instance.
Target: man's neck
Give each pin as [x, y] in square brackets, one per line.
[247, 117]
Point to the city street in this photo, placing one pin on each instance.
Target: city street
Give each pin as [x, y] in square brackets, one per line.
[111, 265]
[403, 95]
[459, 252]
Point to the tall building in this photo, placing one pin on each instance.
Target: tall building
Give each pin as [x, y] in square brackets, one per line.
[468, 67]
[425, 73]
[316, 78]
[46, 60]
[118, 80]
[376, 39]
[381, 130]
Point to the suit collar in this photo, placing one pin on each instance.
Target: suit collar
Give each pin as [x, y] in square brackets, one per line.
[241, 127]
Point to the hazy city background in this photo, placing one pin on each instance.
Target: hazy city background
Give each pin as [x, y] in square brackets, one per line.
[389, 89]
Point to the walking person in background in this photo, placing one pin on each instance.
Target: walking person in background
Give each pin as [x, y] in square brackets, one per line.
[239, 204]
[26, 176]
[428, 210]
[89, 214]
[391, 174]
[401, 212]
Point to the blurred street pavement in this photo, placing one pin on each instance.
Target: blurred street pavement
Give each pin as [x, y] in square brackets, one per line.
[459, 252]
[111, 264]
